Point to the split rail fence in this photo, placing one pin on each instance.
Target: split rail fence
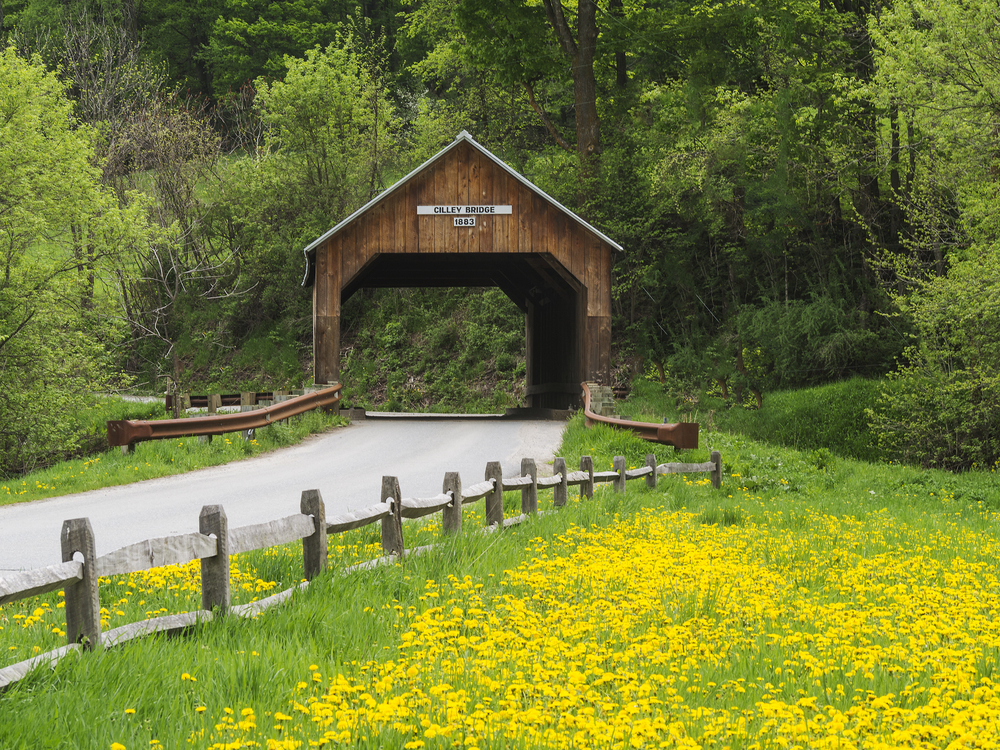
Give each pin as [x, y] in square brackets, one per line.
[81, 569]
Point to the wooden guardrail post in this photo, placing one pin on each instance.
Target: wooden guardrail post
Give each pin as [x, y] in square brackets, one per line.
[215, 570]
[83, 604]
[248, 400]
[529, 494]
[651, 476]
[494, 500]
[214, 402]
[560, 492]
[587, 488]
[314, 547]
[717, 471]
[619, 465]
[392, 525]
[451, 521]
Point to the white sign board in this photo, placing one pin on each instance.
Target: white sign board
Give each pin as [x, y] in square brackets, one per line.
[463, 210]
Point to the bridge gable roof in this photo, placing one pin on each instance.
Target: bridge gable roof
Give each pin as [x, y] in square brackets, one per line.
[398, 190]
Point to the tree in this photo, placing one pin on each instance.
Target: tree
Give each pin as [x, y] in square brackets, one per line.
[939, 72]
[523, 41]
[330, 135]
[53, 354]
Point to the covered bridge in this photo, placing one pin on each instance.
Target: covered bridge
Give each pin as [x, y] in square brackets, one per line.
[464, 218]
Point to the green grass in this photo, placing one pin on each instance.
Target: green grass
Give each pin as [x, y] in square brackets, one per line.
[829, 417]
[344, 620]
[157, 458]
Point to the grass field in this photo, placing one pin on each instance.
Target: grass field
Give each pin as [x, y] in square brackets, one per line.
[813, 602]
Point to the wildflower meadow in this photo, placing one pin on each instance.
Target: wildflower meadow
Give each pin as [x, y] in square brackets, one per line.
[808, 604]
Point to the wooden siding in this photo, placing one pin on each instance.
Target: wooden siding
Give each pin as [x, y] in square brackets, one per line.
[575, 262]
[464, 176]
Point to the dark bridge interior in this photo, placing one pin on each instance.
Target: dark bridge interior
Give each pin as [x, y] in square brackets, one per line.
[553, 301]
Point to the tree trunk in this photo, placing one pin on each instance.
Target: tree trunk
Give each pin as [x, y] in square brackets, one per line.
[580, 51]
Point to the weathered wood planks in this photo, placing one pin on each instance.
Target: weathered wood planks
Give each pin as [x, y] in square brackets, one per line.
[154, 553]
[355, 519]
[15, 672]
[14, 586]
[684, 468]
[416, 507]
[167, 624]
[270, 534]
[477, 491]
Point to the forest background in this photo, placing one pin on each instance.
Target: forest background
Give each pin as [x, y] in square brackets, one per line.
[805, 192]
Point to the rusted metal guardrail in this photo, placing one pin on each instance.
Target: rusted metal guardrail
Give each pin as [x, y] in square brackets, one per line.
[128, 432]
[681, 435]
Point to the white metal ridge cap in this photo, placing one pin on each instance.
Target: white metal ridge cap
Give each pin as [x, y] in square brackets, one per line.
[463, 136]
[532, 186]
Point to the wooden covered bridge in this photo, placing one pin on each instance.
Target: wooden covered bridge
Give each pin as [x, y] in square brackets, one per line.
[466, 219]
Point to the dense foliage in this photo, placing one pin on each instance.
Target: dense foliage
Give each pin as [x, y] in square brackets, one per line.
[797, 187]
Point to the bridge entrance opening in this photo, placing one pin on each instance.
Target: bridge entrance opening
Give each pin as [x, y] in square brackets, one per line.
[466, 219]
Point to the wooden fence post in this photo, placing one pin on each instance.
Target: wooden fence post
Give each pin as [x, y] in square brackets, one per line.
[215, 570]
[451, 521]
[247, 401]
[651, 477]
[717, 471]
[529, 494]
[83, 605]
[314, 547]
[392, 524]
[619, 466]
[587, 488]
[494, 500]
[560, 491]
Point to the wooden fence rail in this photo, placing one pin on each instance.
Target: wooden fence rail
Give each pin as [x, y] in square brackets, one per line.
[214, 542]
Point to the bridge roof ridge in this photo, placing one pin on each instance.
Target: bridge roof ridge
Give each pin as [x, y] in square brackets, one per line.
[462, 137]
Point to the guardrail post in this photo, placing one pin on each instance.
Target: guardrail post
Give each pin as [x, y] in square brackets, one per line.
[314, 547]
[392, 525]
[587, 488]
[619, 465]
[560, 491]
[494, 500]
[214, 402]
[83, 604]
[717, 471]
[451, 521]
[651, 477]
[529, 494]
[247, 401]
[280, 396]
[215, 570]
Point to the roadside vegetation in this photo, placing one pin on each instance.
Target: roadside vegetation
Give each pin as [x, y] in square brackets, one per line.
[804, 194]
[104, 467]
[815, 600]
